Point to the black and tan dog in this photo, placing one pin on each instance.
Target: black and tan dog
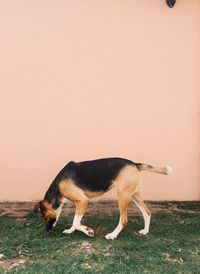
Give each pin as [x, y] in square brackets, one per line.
[79, 182]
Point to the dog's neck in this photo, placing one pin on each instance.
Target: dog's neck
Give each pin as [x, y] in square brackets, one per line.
[53, 196]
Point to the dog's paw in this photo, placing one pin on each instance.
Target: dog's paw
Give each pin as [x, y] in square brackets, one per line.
[143, 232]
[111, 236]
[89, 231]
[69, 231]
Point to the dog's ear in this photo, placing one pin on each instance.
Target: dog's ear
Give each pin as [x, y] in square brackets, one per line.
[36, 207]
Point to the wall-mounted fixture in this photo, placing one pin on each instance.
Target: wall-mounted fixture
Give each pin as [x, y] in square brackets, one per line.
[171, 3]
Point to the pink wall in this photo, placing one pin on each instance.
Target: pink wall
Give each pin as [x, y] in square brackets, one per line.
[90, 79]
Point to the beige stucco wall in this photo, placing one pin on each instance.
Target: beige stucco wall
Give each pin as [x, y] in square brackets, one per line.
[88, 79]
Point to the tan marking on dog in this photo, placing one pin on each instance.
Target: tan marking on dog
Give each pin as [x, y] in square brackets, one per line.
[70, 191]
[75, 194]
[49, 212]
[128, 181]
[93, 194]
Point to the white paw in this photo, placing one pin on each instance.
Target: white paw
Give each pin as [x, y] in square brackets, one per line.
[68, 231]
[111, 236]
[143, 232]
[89, 231]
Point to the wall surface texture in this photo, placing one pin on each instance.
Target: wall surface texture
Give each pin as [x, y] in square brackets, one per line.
[86, 79]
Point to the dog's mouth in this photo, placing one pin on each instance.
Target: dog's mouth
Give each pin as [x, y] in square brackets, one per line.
[49, 224]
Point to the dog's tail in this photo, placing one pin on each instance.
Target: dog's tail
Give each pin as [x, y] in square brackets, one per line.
[163, 170]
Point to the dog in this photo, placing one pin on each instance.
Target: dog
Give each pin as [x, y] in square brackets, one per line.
[80, 182]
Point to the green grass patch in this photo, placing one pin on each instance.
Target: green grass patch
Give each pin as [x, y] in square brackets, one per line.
[173, 246]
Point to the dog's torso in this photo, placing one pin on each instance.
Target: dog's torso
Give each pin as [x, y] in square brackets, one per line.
[94, 177]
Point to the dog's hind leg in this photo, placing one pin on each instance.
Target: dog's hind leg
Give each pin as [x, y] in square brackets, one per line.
[137, 199]
[127, 184]
[81, 207]
[123, 220]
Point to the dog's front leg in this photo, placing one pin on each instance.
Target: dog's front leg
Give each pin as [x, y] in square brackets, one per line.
[58, 212]
[81, 207]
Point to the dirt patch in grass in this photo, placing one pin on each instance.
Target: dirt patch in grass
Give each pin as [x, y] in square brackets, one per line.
[88, 251]
[168, 257]
[89, 248]
[12, 263]
[85, 246]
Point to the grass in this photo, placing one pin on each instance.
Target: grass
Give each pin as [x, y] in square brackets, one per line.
[173, 246]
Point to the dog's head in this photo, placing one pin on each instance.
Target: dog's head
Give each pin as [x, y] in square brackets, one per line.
[48, 213]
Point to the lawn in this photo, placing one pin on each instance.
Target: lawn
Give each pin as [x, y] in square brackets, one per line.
[173, 245]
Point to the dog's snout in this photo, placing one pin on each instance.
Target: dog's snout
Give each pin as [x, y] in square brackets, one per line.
[49, 224]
